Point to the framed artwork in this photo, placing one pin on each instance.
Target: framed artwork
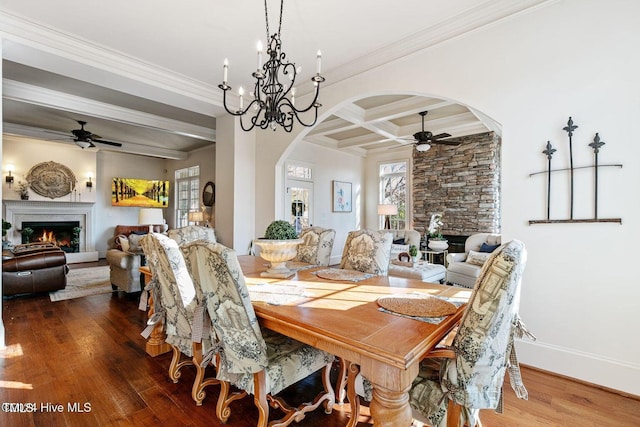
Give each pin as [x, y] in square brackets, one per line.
[146, 193]
[341, 196]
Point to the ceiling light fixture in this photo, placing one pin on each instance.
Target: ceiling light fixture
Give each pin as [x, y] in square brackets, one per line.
[270, 97]
[423, 147]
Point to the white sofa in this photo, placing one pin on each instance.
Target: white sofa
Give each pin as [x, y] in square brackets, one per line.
[463, 269]
[432, 273]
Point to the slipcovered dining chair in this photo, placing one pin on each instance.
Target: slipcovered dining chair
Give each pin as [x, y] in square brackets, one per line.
[257, 362]
[317, 246]
[367, 251]
[176, 303]
[459, 380]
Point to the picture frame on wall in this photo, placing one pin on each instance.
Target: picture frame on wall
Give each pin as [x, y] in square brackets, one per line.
[341, 193]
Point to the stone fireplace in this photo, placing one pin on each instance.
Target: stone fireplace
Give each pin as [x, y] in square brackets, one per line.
[54, 217]
[463, 183]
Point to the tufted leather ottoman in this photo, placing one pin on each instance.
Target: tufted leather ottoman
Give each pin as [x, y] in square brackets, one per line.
[432, 273]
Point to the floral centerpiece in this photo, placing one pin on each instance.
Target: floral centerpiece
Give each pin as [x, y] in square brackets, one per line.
[279, 245]
[436, 241]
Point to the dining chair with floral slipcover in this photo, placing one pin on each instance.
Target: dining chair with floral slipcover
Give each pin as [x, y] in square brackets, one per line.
[257, 362]
[367, 251]
[317, 246]
[176, 304]
[455, 382]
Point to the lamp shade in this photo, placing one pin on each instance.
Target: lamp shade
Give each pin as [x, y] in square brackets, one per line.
[150, 216]
[387, 210]
[197, 216]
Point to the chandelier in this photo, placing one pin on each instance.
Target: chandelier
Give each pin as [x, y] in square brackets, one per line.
[272, 101]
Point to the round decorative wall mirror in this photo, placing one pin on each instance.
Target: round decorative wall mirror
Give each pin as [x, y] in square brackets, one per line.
[209, 194]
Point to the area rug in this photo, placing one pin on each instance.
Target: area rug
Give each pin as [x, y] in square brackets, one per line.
[82, 282]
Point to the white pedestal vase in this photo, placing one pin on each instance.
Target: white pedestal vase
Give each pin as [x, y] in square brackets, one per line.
[438, 245]
[278, 252]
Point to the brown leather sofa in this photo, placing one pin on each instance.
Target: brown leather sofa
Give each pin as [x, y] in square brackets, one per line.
[33, 268]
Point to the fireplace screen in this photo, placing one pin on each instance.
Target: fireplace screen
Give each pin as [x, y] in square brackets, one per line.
[64, 234]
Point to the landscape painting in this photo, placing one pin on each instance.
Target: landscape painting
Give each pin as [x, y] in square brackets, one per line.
[147, 193]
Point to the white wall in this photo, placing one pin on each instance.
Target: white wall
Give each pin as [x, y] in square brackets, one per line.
[530, 73]
[24, 153]
[329, 165]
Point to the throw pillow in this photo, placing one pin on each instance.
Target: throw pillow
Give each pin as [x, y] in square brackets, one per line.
[396, 250]
[488, 248]
[122, 243]
[477, 258]
[399, 241]
[134, 242]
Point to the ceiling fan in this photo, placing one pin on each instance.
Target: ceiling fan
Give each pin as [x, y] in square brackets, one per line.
[424, 139]
[85, 139]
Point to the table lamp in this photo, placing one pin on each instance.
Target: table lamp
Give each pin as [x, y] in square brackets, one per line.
[197, 217]
[150, 217]
[387, 210]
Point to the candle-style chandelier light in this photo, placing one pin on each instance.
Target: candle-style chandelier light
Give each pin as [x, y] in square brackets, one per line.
[270, 103]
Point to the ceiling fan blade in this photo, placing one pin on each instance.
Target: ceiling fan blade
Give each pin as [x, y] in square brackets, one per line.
[453, 141]
[441, 135]
[115, 144]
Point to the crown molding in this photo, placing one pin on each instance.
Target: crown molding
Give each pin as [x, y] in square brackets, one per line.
[462, 24]
[53, 41]
[42, 39]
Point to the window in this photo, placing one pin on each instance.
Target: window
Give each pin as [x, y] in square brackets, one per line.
[187, 194]
[299, 190]
[393, 190]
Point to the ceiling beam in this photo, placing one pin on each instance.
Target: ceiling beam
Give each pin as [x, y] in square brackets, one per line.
[127, 147]
[22, 92]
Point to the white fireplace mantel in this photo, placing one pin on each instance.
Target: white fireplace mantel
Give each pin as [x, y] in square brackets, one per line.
[17, 211]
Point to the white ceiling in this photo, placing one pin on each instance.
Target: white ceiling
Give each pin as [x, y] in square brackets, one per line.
[145, 73]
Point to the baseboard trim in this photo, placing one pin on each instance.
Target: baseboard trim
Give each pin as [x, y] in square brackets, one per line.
[614, 375]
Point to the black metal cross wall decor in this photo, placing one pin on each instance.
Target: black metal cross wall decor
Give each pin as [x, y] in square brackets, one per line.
[596, 145]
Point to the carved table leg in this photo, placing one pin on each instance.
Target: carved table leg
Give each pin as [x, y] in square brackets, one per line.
[390, 408]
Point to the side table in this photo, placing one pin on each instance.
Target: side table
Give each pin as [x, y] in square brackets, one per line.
[431, 256]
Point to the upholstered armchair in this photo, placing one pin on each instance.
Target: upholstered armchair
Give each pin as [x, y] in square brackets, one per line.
[124, 256]
[455, 382]
[257, 362]
[367, 251]
[464, 268]
[176, 302]
[317, 246]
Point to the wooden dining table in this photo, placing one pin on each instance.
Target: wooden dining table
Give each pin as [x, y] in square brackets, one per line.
[343, 318]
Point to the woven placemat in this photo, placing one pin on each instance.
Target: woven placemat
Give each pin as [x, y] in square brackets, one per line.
[417, 305]
[341, 274]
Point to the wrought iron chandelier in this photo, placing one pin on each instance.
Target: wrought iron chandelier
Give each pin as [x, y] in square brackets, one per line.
[270, 98]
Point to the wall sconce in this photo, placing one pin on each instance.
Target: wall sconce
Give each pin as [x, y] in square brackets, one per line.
[89, 183]
[9, 178]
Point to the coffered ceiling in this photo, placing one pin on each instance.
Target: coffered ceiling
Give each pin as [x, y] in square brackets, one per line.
[145, 73]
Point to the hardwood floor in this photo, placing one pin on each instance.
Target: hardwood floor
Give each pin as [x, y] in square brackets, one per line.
[89, 351]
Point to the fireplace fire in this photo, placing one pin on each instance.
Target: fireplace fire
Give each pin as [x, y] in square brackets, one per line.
[64, 234]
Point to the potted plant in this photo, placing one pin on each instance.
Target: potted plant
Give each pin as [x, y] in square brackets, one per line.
[27, 232]
[413, 253]
[6, 226]
[22, 188]
[436, 241]
[278, 246]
